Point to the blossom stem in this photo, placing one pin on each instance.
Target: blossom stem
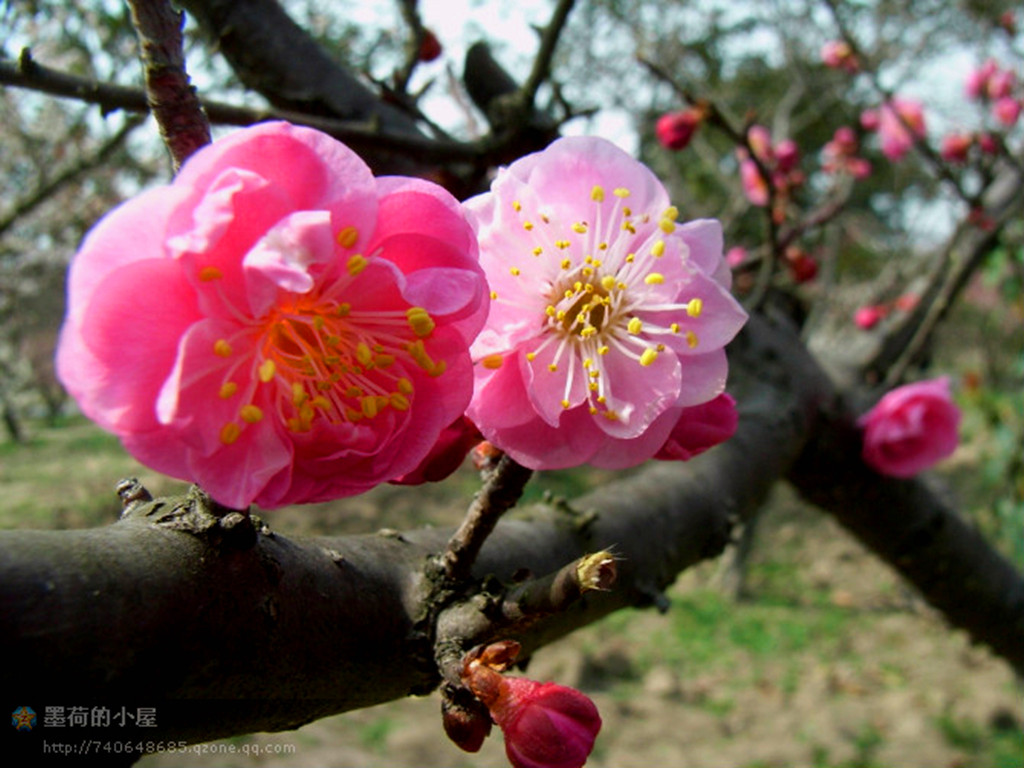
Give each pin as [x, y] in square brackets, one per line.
[172, 99]
[501, 490]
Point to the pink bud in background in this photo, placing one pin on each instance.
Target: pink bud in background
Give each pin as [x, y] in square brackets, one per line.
[736, 256]
[976, 85]
[1000, 84]
[955, 147]
[754, 185]
[787, 155]
[869, 316]
[911, 428]
[675, 129]
[837, 54]
[988, 144]
[701, 427]
[760, 139]
[869, 120]
[907, 302]
[1006, 110]
[802, 266]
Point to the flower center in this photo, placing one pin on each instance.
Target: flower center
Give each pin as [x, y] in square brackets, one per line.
[602, 297]
[325, 360]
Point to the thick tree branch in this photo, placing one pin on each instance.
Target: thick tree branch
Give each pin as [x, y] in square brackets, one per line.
[184, 601]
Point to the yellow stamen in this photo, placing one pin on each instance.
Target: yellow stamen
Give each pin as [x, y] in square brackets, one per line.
[635, 326]
[492, 362]
[227, 389]
[221, 348]
[694, 307]
[658, 249]
[230, 432]
[348, 237]
[251, 414]
[206, 274]
[404, 386]
[267, 370]
[654, 278]
[597, 194]
[398, 401]
[356, 263]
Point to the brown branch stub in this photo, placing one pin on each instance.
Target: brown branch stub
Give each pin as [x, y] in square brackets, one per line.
[172, 99]
[501, 490]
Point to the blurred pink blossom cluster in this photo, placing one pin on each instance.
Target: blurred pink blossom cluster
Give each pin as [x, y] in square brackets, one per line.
[870, 315]
[900, 124]
[997, 87]
[840, 155]
[781, 163]
[837, 54]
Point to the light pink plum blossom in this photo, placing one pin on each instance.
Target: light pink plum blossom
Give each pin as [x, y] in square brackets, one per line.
[901, 124]
[276, 325]
[607, 317]
[837, 54]
[753, 182]
[911, 428]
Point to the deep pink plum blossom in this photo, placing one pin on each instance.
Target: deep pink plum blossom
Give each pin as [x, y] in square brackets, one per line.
[870, 119]
[840, 155]
[911, 428]
[675, 129]
[276, 325]
[901, 124]
[976, 85]
[700, 428]
[736, 256]
[607, 317]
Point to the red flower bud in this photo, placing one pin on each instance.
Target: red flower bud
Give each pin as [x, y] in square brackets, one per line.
[675, 129]
[466, 721]
[430, 46]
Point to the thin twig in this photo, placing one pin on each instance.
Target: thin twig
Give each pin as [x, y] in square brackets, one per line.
[172, 99]
[501, 490]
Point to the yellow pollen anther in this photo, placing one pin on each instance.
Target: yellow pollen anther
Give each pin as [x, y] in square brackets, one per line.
[420, 321]
[227, 389]
[674, 327]
[530, 356]
[562, 244]
[251, 414]
[589, 331]
[671, 213]
[565, 403]
[267, 370]
[230, 432]
[603, 349]
[594, 374]
[579, 228]
[321, 402]
[221, 348]
[343, 309]
[368, 405]
[494, 295]
[658, 249]
[538, 251]
[691, 339]
[635, 326]
[348, 237]
[517, 206]
[611, 415]
[630, 258]
[667, 226]
[384, 361]
[587, 362]
[527, 225]
[628, 227]
[566, 263]
[363, 354]
[206, 274]
[608, 282]
[655, 278]
[356, 263]
[492, 362]
[597, 194]
[552, 367]
[648, 357]
[694, 307]
[404, 386]
[621, 192]
[514, 271]
[398, 401]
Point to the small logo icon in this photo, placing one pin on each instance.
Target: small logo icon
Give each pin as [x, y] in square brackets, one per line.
[23, 718]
